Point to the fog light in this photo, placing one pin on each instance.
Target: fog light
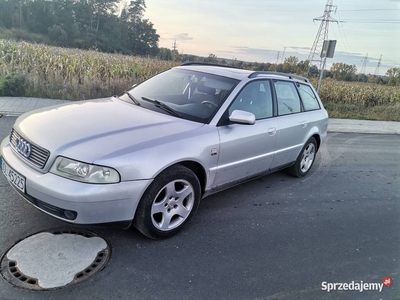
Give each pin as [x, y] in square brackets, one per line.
[70, 215]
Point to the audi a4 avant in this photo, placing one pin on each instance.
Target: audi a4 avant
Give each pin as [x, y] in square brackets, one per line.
[147, 156]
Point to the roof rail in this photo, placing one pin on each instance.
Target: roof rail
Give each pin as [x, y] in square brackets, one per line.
[291, 76]
[207, 64]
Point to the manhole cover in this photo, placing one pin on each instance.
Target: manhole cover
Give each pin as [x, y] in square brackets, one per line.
[55, 259]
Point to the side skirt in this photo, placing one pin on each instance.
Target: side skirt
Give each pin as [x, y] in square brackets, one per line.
[245, 179]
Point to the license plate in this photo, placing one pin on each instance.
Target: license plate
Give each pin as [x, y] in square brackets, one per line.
[14, 177]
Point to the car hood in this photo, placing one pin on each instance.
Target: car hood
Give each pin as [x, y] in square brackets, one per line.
[89, 130]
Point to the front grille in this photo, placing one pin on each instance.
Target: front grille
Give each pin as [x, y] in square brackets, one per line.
[38, 156]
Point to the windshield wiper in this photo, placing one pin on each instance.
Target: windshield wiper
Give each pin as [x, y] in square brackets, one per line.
[131, 97]
[163, 106]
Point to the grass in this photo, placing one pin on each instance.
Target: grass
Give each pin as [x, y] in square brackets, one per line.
[73, 74]
[354, 111]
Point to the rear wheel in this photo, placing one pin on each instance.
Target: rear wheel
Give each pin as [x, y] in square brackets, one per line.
[169, 203]
[305, 160]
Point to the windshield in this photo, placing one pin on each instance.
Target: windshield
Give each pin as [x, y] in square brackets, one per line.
[191, 95]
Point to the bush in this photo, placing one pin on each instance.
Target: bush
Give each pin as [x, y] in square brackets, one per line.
[22, 35]
[13, 85]
[57, 35]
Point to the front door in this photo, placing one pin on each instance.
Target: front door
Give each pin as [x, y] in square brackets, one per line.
[248, 150]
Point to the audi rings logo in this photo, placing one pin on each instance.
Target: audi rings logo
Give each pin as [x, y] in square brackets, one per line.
[23, 147]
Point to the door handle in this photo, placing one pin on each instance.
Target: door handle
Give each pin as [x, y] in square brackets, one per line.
[271, 131]
[303, 124]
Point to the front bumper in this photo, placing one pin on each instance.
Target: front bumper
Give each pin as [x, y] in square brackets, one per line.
[92, 203]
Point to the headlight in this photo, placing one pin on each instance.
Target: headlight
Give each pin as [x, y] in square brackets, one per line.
[84, 172]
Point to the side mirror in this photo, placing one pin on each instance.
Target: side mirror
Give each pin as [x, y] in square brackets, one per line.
[242, 117]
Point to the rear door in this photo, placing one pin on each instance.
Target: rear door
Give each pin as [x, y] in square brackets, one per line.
[293, 123]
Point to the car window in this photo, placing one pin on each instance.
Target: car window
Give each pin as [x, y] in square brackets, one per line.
[287, 98]
[176, 82]
[256, 97]
[308, 97]
[194, 95]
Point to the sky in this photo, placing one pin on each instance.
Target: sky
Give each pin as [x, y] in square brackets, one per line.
[256, 30]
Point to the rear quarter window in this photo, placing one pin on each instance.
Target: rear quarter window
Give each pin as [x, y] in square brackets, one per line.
[308, 97]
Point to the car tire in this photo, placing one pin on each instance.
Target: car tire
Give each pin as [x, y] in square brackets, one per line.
[305, 160]
[169, 203]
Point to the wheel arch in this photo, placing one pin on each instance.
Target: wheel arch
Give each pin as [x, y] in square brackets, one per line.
[315, 133]
[318, 139]
[198, 170]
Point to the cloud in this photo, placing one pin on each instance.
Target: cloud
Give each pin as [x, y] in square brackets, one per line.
[182, 37]
[253, 51]
[178, 37]
[260, 54]
[300, 49]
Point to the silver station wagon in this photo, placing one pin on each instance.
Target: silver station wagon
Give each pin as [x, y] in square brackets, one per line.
[149, 155]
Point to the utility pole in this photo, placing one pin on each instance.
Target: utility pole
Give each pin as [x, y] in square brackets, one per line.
[322, 35]
[377, 66]
[364, 65]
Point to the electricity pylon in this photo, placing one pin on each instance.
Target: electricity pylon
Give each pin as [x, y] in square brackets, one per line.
[322, 35]
[174, 46]
[364, 65]
[377, 66]
[283, 56]
[278, 56]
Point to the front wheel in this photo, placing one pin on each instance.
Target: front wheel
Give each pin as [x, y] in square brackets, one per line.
[305, 160]
[169, 203]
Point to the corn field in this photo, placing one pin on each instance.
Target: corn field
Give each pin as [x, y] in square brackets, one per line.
[62, 73]
[365, 94]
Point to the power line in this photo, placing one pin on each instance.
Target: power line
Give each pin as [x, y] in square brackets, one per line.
[343, 36]
[369, 9]
[382, 21]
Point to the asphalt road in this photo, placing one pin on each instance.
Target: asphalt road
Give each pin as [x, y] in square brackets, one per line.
[277, 237]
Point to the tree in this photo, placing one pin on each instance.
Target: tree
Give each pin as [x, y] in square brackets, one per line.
[212, 58]
[342, 71]
[142, 37]
[290, 64]
[82, 23]
[394, 76]
[57, 35]
[164, 54]
[362, 77]
[136, 11]
[64, 14]
[302, 67]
